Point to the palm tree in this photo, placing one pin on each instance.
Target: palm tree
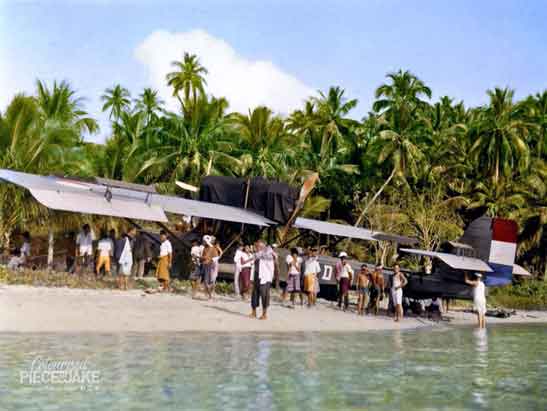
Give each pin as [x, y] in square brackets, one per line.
[188, 77]
[400, 130]
[60, 104]
[116, 99]
[266, 148]
[537, 115]
[401, 99]
[187, 148]
[328, 143]
[149, 103]
[32, 142]
[499, 136]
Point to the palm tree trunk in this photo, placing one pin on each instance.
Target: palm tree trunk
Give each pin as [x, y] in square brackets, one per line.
[363, 213]
[497, 172]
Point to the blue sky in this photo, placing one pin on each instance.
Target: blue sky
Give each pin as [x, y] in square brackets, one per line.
[458, 48]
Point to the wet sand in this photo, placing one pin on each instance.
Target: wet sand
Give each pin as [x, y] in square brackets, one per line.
[43, 309]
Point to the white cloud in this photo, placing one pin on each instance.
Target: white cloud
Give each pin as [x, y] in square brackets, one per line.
[245, 83]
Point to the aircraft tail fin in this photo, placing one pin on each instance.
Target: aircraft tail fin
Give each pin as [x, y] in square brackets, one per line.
[503, 250]
[495, 241]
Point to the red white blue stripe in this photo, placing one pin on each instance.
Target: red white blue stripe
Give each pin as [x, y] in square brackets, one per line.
[503, 249]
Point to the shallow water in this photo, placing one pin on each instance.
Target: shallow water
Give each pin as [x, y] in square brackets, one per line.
[504, 368]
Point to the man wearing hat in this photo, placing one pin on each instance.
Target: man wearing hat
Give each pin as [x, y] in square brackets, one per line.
[344, 276]
[479, 297]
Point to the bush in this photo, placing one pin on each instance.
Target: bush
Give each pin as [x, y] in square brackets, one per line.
[528, 295]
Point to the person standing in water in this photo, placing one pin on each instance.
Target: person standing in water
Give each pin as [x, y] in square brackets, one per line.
[399, 281]
[479, 298]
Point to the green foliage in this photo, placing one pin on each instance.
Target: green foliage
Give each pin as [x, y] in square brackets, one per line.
[412, 166]
[530, 295]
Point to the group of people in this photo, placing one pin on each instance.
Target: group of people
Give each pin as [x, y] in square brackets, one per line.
[205, 262]
[255, 268]
[254, 271]
[303, 276]
[370, 286]
[129, 255]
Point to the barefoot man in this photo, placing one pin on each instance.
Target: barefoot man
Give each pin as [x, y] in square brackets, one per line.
[399, 282]
[479, 298]
[265, 259]
[363, 283]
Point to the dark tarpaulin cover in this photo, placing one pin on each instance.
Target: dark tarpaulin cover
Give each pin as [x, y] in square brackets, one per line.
[271, 199]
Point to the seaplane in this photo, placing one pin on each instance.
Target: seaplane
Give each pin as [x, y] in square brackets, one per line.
[232, 208]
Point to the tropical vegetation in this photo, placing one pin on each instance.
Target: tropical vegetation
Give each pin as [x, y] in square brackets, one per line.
[413, 165]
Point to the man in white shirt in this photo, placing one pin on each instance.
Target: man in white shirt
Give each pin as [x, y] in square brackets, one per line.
[84, 246]
[105, 250]
[165, 261]
[237, 267]
[265, 259]
[195, 276]
[311, 277]
[294, 267]
[345, 276]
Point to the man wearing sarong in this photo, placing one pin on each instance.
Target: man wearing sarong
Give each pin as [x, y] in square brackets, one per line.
[165, 261]
[294, 266]
[346, 277]
[311, 277]
[265, 259]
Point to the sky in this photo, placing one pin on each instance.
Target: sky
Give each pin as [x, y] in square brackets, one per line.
[276, 53]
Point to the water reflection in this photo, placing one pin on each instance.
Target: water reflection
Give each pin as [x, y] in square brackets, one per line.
[503, 368]
[480, 367]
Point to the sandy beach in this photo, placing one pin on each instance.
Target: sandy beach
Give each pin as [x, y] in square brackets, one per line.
[43, 309]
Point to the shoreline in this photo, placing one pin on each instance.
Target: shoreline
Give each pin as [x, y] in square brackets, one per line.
[30, 309]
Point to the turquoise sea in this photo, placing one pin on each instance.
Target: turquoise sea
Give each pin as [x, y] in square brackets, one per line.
[502, 368]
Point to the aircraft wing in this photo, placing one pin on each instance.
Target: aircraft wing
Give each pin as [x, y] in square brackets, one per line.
[401, 239]
[83, 197]
[177, 205]
[340, 230]
[454, 261]
[119, 199]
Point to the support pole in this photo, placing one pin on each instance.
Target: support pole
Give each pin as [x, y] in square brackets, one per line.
[50, 250]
